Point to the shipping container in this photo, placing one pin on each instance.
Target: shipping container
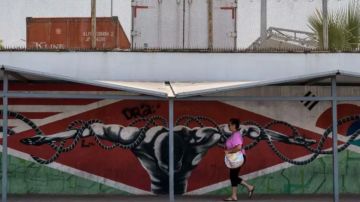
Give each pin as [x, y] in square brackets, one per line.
[188, 24]
[74, 33]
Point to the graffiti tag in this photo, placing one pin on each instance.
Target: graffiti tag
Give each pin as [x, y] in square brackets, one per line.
[141, 111]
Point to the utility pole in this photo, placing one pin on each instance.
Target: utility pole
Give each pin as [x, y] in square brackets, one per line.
[93, 24]
[210, 24]
[325, 24]
[263, 19]
[111, 12]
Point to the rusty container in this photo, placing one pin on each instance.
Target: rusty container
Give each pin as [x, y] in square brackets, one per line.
[74, 33]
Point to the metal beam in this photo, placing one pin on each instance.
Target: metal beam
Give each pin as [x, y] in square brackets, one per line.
[270, 98]
[350, 98]
[315, 81]
[80, 96]
[4, 139]
[335, 139]
[199, 98]
[18, 76]
[258, 98]
[171, 150]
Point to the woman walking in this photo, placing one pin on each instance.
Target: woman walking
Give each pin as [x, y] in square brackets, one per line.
[235, 144]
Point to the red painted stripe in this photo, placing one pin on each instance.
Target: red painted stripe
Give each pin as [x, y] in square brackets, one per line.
[37, 115]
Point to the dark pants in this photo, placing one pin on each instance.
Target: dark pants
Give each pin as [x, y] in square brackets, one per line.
[234, 175]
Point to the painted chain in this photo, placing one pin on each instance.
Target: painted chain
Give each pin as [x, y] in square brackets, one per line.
[80, 126]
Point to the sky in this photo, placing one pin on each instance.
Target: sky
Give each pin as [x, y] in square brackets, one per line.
[290, 14]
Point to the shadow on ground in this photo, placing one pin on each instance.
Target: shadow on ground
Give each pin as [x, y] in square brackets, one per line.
[117, 198]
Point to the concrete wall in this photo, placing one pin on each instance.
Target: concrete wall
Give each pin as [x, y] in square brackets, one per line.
[186, 67]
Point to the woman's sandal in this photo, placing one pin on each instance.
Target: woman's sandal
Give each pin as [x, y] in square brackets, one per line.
[251, 192]
[230, 199]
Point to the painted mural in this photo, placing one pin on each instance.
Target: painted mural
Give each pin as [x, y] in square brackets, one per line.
[122, 145]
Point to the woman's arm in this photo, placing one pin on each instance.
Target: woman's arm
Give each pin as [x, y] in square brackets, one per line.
[234, 150]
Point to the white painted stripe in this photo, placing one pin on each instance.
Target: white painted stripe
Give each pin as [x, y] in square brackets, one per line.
[64, 115]
[80, 109]
[354, 148]
[300, 116]
[17, 122]
[80, 173]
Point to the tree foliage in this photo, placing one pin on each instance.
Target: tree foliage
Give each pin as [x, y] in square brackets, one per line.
[343, 27]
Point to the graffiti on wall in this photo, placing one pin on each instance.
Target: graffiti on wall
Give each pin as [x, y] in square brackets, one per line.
[139, 111]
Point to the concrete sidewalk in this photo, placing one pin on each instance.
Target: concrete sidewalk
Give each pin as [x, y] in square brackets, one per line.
[116, 198]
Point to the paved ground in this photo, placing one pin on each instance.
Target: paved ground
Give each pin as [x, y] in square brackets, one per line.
[243, 198]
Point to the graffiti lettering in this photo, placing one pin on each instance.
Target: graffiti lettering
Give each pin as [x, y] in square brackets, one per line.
[141, 111]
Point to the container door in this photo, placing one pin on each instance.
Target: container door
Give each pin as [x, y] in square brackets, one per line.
[157, 23]
[183, 24]
[58, 35]
[144, 32]
[170, 21]
[106, 33]
[196, 24]
[37, 33]
[79, 32]
[224, 24]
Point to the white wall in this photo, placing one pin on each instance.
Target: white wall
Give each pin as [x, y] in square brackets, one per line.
[194, 67]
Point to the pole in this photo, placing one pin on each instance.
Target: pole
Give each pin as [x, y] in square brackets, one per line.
[325, 24]
[171, 150]
[111, 12]
[93, 24]
[4, 140]
[210, 24]
[263, 20]
[334, 132]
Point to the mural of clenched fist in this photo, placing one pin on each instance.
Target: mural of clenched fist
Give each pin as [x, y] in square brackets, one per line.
[147, 139]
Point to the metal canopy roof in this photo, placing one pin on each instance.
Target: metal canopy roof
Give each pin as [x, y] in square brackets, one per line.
[24, 75]
[323, 78]
[185, 90]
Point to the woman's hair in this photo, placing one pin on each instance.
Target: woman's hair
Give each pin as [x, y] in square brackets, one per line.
[236, 122]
